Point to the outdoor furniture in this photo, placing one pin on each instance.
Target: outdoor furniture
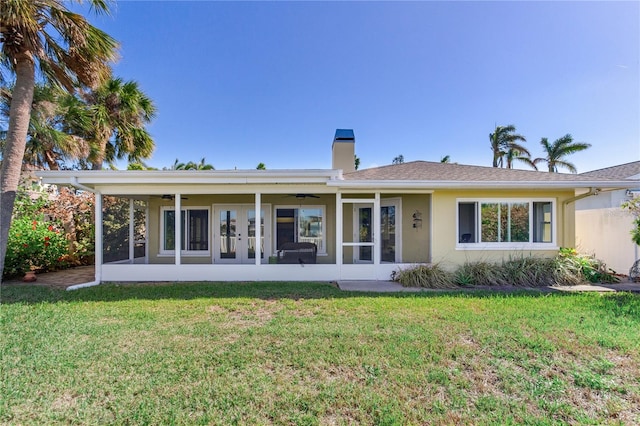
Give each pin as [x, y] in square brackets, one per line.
[297, 253]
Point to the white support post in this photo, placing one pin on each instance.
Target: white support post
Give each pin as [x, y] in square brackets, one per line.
[99, 235]
[375, 217]
[178, 229]
[131, 231]
[339, 229]
[258, 229]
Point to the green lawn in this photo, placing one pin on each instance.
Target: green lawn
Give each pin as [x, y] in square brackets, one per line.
[300, 353]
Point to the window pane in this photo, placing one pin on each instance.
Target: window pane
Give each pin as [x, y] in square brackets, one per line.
[198, 238]
[519, 223]
[388, 233]
[542, 226]
[490, 216]
[285, 226]
[251, 233]
[365, 233]
[169, 230]
[228, 234]
[310, 227]
[467, 222]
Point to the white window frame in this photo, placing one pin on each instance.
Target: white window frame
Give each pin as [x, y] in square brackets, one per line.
[530, 245]
[183, 252]
[274, 232]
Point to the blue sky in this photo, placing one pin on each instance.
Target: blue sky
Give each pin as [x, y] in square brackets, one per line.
[246, 82]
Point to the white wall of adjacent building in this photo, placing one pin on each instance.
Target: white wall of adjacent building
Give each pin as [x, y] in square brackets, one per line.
[603, 229]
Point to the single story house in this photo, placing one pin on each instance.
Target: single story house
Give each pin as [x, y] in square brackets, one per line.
[603, 228]
[330, 224]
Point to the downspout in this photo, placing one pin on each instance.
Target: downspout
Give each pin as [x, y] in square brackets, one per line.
[74, 182]
[565, 204]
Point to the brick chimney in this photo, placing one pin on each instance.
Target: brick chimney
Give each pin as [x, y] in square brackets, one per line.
[343, 151]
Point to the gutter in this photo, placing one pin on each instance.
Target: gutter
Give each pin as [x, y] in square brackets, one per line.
[592, 192]
[74, 182]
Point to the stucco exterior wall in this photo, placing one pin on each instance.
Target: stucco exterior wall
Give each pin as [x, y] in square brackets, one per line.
[444, 236]
[416, 239]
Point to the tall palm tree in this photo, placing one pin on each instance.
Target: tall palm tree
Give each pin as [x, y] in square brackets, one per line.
[66, 49]
[504, 139]
[558, 150]
[53, 113]
[119, 112]
[514, 155]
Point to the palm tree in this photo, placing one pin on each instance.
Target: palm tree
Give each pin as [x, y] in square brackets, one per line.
[261, 166]
[53, 112]
[558, 150]
[65, 48]
[119, 111]
[503, 140]
[202, 165]
[446, 159]
[398, 160]
[514, 155]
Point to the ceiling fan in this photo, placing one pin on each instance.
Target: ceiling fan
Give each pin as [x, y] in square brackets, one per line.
[303, 196]
[171, 197]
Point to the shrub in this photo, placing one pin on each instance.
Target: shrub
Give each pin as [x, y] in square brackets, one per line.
[33, 245]
[427, 276]
[590, 268]
[478, 273]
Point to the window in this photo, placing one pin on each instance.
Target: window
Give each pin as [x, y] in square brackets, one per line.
[301, 225]
[510, 222]
[194, 230]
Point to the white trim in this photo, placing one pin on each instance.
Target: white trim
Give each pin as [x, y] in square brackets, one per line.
[258, 230]
[186, 253]
[178, 227]
[98, 256]
[132, 231]
[487, 245]
[339, 230]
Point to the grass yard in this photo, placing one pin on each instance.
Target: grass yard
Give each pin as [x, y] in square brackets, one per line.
[301, 353]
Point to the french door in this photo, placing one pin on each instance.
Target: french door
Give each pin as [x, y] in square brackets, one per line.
[389, 231]
[235, 233]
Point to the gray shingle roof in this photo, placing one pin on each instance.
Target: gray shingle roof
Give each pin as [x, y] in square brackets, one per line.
[623, 171]
[436, 171]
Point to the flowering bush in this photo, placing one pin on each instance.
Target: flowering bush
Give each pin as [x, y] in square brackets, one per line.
[33, 245]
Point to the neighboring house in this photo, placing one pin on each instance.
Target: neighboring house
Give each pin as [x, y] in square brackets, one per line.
[365, 224]
[602, 227]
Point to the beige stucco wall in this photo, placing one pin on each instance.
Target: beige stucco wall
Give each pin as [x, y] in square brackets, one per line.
[415, 240]
[444, 225]
[605, 233]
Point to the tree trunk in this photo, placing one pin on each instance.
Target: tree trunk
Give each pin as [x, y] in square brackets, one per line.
[19, 115]
[50, 159]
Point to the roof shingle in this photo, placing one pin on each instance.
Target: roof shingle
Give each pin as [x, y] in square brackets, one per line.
[436, 171]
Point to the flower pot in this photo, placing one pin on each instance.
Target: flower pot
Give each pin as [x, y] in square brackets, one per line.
[29, 277]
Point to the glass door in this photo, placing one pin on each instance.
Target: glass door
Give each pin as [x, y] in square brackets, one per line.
[363, 233]
[226, 249]
[389, 232]
[235, 226]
